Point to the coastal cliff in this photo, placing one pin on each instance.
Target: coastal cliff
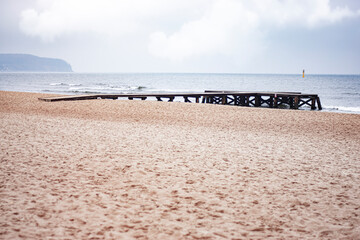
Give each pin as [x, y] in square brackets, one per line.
[31, 63]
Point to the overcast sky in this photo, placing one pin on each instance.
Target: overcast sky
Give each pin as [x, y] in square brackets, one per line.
[225, 36]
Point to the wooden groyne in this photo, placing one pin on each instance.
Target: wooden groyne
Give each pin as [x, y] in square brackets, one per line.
[294, 100]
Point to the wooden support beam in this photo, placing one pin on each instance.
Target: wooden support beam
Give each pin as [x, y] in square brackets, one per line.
[171, 99]
[271, 102]
[217, 99]
[296, 102]
[236, 100]
[132, 98]
[318, 103]
[266, 101]
[186, 98]
[231, 99]
[304, 102]
[243, 101]
[257, 101]
[159, 99]
[275, 101]
[313, 100]
[291, 102]
[247, 101]
[224, 100]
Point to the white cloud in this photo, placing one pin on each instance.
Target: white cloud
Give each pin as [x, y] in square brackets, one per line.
[233, 24]
[180, 29]
[50, 19]
[208, 35]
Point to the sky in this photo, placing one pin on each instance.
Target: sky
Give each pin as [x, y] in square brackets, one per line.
[195, 36]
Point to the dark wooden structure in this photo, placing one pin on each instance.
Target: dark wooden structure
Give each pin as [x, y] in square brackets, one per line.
[294, 100]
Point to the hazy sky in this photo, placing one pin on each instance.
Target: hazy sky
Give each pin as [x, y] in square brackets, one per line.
[236, 36]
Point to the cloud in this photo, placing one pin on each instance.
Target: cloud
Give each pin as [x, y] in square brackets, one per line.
[240, 25]
[50, 19]
[180, 29]
[210, 34]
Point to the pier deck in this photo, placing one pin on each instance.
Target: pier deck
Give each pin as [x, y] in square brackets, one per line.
[294, 100]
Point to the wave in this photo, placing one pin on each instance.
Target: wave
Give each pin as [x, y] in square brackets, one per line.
[342, 109]
[106, 89]
[351, 93]
[65, 84]
[173, 91]
[96, 88]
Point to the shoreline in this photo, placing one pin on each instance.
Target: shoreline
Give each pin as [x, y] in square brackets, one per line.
[156, 170]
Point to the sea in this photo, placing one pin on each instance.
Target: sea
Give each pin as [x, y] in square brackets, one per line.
[338, 93]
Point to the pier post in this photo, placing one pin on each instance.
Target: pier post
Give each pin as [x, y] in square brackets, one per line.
[318, 103]
[271, 102]
[247, 101]
[224, 99]
[242, 101]
[257, 101]
[291, 102]
[275, 101]
[313, 106]
[237, 100]
[296, 102]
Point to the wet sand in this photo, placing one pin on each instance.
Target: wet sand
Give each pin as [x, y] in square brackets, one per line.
[105, 169]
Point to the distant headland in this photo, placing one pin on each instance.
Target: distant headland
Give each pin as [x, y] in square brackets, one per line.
[31, 63]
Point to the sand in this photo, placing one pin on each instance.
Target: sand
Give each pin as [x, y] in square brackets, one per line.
[105, 169]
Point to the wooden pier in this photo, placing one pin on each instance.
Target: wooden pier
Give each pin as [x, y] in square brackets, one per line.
[294, 100]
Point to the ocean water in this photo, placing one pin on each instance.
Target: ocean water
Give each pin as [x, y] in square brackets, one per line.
[338, 93]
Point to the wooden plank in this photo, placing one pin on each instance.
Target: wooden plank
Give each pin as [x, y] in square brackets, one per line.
[69, 98]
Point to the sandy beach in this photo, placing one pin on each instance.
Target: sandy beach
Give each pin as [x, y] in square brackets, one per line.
[120, 169]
